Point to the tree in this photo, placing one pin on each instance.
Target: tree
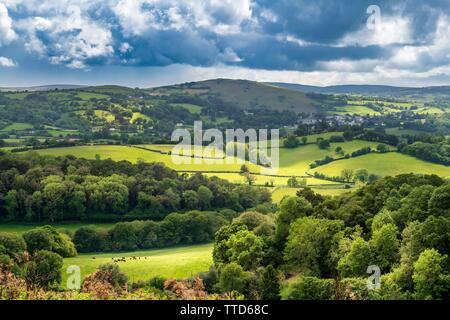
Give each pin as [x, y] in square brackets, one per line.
[204, 197]
[220, 250]
[292, 182]
[190, 199]
[429, 279]
[309, 243]
[362, 175]
[304, 140]
[385, 246]
[245, 249]
[347, 175]
[291, 208]
[382, 148]
[323, 143]
[234, 278]
[310, 288]
[355, 262]
[249, 178]
[439, 201]
[44, 269]
[269, 284]
[291, 141]
[244, 169]
[88, 239]
[48, 238]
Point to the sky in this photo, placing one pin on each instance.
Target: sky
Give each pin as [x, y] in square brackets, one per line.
[145, 43]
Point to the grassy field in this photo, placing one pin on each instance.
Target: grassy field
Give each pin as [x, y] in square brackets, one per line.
[192, 108]
[388, 164]
[72, 227]
[355, 110]
[177, 262]
[131, 154]
[17, 126]
[296, 161]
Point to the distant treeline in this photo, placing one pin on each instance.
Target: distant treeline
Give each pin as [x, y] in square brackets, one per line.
[36, 188]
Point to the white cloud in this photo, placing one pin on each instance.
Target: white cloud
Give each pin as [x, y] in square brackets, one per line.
[7, 62]
[388, 30]
[71, 37]
[7, 34]
[220, 16]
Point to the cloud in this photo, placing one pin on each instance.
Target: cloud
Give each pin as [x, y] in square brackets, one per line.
[322, 37]
[7, 34]
[7, 62]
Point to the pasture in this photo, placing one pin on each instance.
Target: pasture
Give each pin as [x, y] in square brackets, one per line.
[176, 262]
[387, 164]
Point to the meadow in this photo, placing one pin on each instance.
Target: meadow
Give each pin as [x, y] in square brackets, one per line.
[176, 262]
[387, 164]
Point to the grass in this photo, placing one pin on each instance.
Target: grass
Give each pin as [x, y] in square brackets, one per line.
[192, 108]
[177, 262]
[17, 126]
[387, 164]
[355, 110]
[131, 154]
[72, 227]
[297, 160]
[89, 95]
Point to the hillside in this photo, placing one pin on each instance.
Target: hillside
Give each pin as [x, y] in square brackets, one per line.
[364, 89]
[246, 95]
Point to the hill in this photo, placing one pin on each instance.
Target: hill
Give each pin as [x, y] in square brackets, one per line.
[364, 89]
[43, 88]
[248, 95]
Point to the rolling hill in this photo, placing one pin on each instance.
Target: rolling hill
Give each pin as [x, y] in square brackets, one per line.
[364, 89]
[246, 94]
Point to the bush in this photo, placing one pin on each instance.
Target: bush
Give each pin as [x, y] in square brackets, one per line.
[88, 239]
[44, 269]
[310, 288]
[47, 238]
[12, 244]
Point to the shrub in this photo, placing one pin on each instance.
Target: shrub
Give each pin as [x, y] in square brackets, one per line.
[310, 288]
[12, 244]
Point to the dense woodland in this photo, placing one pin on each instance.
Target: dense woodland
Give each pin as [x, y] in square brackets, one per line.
[34, 188]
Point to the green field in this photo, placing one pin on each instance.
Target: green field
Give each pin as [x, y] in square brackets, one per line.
[177, 262]
[17, 126]
[71, 227]
[355, 110]
[387, 164]
[192, 108]
[131, 154]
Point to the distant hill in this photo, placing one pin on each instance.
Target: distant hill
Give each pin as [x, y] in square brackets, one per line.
[246, 94]
[43, 88]
[364, 89]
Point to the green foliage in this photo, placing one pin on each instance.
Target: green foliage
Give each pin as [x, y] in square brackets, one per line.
[44, 269]
[291, 208]
[430, 280]
[310, 288]
[245, 249]
[354, 263]
[309, 243]
[48, 238]
[234, 278]
[269, 283]
[12, 244]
